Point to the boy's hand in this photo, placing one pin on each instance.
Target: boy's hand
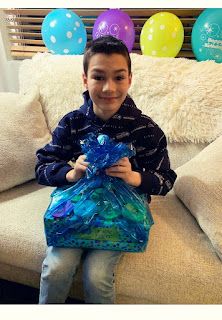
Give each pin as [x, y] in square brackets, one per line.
[123, 169]
[79, 169]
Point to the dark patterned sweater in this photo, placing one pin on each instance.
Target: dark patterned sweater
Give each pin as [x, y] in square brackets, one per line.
[128, 125]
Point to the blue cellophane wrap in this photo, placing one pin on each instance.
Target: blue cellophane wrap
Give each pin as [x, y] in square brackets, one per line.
[99, 211]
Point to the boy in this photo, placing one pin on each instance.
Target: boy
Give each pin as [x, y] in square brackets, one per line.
[109, 110]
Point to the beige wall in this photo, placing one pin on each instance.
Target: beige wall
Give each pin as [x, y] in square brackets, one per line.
[8, 70]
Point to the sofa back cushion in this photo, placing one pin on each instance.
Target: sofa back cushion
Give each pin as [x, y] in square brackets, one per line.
[59, 78]
[183, 96]
[23, 130]
[180, 153]
[199, 186]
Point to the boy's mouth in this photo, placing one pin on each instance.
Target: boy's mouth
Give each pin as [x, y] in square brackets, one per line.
[109, 98]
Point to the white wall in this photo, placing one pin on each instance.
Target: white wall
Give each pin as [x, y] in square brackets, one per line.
[8, 71]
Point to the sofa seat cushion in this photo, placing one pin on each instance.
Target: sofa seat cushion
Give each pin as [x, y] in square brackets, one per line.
[23, 130]
[179, 265]
[199, 186]
[22, 241]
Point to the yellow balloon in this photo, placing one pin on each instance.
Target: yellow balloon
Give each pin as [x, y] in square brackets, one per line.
[162, 35]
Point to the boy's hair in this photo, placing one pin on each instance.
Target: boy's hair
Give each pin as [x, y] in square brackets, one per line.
[107, 45]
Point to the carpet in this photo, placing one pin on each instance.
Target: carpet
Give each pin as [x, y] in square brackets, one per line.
[14, 293]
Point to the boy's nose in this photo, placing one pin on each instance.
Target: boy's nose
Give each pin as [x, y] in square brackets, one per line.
[109, 85]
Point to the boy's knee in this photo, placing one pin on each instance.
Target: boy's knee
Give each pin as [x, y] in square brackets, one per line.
[98, 270]
[58, 268]
[97, 277]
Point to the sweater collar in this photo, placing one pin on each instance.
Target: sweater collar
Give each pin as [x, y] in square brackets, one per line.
[128, 107]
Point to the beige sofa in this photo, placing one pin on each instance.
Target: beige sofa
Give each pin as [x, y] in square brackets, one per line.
[182, 263]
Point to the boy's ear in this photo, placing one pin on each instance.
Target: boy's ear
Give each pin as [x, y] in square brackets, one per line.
[130, 78]
[85, 82]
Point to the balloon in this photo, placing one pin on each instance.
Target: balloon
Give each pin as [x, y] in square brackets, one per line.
[63, 32]
[116, 23]
[206, 37]
[162, 35]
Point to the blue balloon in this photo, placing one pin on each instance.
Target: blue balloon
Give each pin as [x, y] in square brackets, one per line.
[63, 32]
[206, 36]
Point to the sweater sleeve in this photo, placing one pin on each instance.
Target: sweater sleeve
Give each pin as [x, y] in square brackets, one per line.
[52, 166]
[154, 165]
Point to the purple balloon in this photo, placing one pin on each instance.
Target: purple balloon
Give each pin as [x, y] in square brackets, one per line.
[116, 23]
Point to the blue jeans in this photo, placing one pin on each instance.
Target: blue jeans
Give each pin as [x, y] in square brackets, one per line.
[60, 266]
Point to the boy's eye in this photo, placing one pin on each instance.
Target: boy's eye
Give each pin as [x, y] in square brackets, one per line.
[119, 78]
[98, 78]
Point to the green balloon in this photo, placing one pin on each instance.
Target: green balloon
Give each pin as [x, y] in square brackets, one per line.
[206, 36]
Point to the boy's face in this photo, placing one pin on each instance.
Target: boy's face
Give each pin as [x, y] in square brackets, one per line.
[108, 81]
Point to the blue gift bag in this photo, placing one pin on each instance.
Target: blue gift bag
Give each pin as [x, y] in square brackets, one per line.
[99, 211]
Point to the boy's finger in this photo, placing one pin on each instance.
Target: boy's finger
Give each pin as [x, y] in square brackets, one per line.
[82, 167]
[116, 169]
[123, 161]
[84, 163]
[82, 157]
